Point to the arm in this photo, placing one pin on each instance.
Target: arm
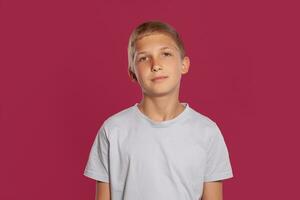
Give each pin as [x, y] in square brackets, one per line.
[102, 191]
[212, 191]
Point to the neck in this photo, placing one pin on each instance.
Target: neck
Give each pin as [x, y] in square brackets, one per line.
[160, 108]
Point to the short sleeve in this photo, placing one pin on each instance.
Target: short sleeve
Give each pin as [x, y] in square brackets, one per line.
[218, 165]
[97, 166]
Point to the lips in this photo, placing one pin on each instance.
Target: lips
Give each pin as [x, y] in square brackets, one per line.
[159, 78]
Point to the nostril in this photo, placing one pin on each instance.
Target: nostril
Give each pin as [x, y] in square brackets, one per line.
[156, 68]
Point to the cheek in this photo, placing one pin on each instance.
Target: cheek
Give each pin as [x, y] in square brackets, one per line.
[141, 71]
[173, 63]
[176, 67]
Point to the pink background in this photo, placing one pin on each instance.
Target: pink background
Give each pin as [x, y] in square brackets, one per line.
[63, 70]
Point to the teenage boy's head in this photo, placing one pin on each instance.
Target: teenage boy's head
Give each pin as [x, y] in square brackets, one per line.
[154, 46]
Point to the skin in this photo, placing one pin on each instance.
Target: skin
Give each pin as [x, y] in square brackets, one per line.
[158, 55]
[102, 191]
[212, 191]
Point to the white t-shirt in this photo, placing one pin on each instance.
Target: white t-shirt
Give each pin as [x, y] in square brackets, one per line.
[147, 160]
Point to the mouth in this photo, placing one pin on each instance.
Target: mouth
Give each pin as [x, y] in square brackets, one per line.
[158, 78]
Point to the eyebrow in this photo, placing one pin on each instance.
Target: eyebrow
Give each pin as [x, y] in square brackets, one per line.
[162, 48]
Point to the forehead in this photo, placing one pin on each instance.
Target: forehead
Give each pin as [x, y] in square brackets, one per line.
[157, 40]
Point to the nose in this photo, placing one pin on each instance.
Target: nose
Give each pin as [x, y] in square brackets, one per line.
[155, 65]
[156, 68]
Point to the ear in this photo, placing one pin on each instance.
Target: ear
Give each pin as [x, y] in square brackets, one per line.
[132, 76]
[185, 65]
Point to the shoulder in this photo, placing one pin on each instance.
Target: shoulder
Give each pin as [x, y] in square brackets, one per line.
[201, 119]
[119, 119]
[203, 122]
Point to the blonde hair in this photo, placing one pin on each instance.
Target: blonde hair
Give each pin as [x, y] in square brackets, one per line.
[148, 28]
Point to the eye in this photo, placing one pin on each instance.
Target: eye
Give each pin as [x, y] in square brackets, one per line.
[167, 54]
[142, 59]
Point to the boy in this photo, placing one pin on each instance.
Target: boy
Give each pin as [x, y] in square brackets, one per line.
[158, 149]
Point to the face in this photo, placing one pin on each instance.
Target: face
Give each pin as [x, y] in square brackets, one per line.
[158, 65]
